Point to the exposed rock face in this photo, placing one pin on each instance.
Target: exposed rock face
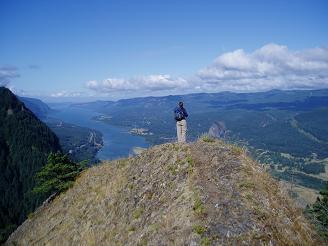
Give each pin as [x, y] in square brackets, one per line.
[10, 112]
[204, 193]
[217, 130]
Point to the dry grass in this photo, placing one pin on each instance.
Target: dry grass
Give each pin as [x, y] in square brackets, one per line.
[273, 209]
[206, 138]
[204, 193]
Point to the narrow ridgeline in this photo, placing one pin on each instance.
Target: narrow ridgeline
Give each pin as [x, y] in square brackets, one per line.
[203, 193]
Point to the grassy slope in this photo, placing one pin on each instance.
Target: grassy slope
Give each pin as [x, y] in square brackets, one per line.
[199, 193]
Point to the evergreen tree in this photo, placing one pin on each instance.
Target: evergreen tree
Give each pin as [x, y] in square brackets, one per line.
[57, 175]
[318, 213]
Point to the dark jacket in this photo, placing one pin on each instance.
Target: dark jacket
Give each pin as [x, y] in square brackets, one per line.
[182, 111]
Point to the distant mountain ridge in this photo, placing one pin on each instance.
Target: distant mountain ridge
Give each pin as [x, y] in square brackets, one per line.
[25, 143]
[38, 107]
[222, 98]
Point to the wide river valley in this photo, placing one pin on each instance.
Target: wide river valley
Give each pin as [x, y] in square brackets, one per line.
[118, 142]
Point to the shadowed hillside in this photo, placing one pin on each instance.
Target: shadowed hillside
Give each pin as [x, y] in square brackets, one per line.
[39, 108]
[203, 193]
[25, 143]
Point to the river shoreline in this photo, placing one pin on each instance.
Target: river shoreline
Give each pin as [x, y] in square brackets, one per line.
[117, 141]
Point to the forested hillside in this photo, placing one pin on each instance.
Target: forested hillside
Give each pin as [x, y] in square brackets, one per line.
[39, 108]
[25, 143]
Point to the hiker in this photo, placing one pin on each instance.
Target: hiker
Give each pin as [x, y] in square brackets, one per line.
[180, 116]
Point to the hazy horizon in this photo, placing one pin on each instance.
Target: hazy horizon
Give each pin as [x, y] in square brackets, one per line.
[60, 100]
[82, 51]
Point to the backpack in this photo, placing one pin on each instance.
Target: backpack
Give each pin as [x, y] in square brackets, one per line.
[179, 115]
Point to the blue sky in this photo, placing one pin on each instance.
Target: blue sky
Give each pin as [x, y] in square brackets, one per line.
[117, 49]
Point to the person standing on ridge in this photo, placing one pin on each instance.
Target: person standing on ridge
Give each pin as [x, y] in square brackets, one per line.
[180, 116]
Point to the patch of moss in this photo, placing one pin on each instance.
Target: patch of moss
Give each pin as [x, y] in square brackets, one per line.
[172, 169]
[137, 213]
[207, 139]
[190, 160]
[122, 163]
[190, 164]
[154, 227]
[198, 206]
[30, 215]
[149, 195]
[247, 185]
[131, 186]
[260, 213]
[249, 196]
[236, 150]
[170, 185]
[143, 242]
[205, 241]
[199, 229]
[131, 229]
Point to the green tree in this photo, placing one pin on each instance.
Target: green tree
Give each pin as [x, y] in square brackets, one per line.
[57, 175]
[318, 213]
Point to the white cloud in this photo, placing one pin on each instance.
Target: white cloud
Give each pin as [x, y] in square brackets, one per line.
[155, 82]
[7, 73]
[66, 94]
[270, 67]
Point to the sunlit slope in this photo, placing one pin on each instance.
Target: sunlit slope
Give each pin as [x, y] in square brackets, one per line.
[205, 192]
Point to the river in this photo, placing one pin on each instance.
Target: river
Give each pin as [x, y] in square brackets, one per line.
[118, 142]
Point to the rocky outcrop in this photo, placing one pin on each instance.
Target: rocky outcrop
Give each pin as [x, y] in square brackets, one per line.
[217, 130]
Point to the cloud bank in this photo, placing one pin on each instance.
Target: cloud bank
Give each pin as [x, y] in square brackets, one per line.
[7, 73]
[156, 82]
[272, 66]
